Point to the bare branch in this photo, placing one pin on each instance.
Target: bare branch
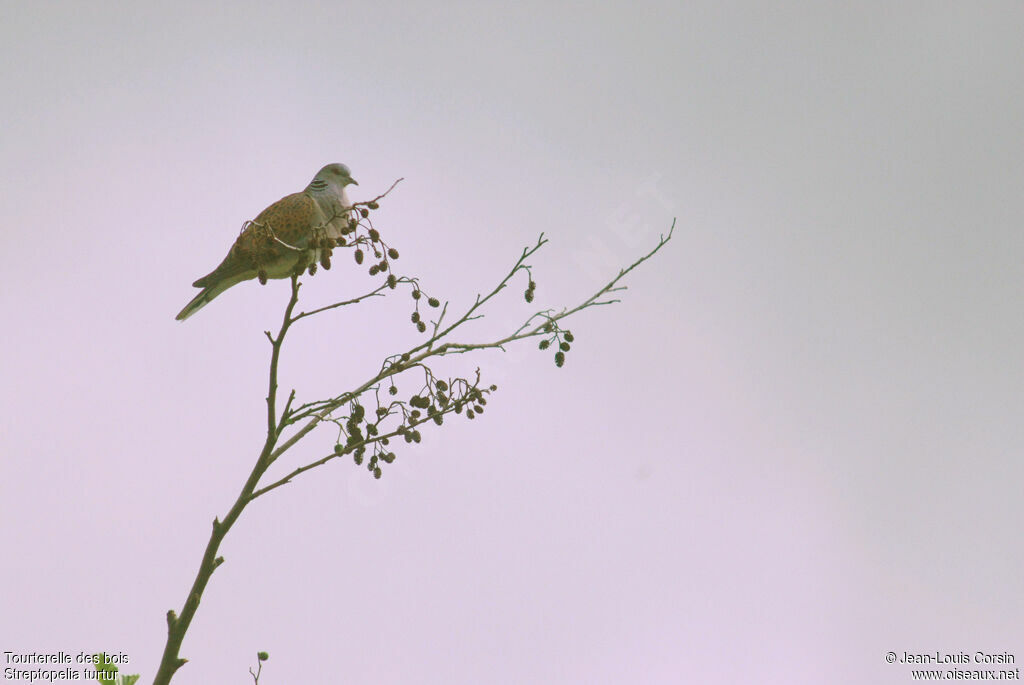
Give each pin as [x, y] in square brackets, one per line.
[379, 197]
[373, 293]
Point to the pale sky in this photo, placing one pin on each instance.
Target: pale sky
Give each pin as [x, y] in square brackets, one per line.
[794, 446]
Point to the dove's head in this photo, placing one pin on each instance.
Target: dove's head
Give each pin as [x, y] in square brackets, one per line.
[337, 175]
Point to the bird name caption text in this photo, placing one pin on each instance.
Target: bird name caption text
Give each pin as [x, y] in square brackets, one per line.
[58, 666]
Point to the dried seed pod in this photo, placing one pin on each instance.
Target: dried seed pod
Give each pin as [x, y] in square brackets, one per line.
[421, 327]
[312, 268]
[392, 281]
[564, 346]
[441, 385]
[544, 344]
[559, 358]
[434, 302]
[262, 276]
[364, 212]
[359, 256]
[374, 234]
[416, 294]
[568, 336]
[393, 253]
[372, 205]
[325, 259]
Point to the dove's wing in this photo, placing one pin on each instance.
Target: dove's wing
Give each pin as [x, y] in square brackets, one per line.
[290, 220]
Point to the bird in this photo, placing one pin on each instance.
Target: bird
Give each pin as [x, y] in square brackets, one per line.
[287, 237]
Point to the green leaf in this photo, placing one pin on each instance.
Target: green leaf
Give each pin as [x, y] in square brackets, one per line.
[106, 671]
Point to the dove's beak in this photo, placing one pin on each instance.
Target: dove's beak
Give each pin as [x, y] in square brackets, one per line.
[352, 181]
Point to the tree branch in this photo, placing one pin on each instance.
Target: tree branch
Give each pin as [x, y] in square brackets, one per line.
[436, 399]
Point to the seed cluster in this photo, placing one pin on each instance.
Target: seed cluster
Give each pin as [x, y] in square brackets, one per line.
[417, 296]
[561, 339]
[360, 234]
[429, 404]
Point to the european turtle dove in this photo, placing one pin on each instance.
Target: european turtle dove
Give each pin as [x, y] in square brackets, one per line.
[285, 238]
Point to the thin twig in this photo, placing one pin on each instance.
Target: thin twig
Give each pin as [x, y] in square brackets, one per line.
[374, 293]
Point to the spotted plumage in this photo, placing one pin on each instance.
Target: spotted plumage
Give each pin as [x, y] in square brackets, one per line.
[287, 237]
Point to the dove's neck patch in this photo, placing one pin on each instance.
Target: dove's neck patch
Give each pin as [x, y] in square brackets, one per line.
[317, 184]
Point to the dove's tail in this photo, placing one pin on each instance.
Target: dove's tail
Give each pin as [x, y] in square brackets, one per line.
[205, 296]
[197, 303]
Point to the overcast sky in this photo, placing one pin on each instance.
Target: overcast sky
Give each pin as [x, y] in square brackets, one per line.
[793, 447]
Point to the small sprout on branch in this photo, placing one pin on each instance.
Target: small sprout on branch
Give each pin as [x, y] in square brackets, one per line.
[260, 658]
